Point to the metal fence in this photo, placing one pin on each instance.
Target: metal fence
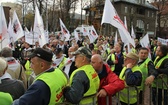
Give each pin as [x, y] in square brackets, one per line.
[149, 95]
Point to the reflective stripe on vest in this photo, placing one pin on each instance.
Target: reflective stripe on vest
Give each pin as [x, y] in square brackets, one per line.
[56, 87]
[94, 83]
[124, 96]
[144, 70]
[158, 80]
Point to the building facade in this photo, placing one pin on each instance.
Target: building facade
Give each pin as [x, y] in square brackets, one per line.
[139, 13]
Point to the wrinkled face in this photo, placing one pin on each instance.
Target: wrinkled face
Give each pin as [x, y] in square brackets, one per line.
[143, 54]
[36, 65]
[78, 60]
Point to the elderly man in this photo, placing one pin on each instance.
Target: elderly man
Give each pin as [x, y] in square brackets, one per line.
[15, 69]
[14, 87]
[149, 74]
[84, 81]
[109, 81]
[132, 75]
[49, 82]
[161, 65]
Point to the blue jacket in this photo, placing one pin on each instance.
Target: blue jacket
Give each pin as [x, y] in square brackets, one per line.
[37, 94]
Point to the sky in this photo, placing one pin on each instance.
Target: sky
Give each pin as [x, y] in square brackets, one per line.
[77, 11]
[20, 0]
[7, 1]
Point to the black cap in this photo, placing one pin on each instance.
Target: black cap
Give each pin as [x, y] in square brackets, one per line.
[58, 50]
[43, 54]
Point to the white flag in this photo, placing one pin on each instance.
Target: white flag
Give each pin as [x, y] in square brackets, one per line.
[39, 28]
[76, 35]
[110, 16]
[64, 31]
[10, 33]
[146, 43]
[133, 33]
[92, 35]
[17, 28]
[4, 35]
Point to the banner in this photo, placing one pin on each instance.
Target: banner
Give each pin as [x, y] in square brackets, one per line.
[163, 41]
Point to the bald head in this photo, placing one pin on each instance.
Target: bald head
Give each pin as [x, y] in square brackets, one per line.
[97, 57]
[97, 62]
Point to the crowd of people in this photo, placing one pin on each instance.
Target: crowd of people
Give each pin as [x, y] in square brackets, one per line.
[82, 73]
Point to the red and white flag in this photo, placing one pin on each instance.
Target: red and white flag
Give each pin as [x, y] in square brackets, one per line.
[92, 35]
[110, 16]
[85, 31]
[64, 30]
[4, 36]
[39, 28]
[17, 31]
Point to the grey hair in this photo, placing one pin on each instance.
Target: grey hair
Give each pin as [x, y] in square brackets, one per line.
[6, 52]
